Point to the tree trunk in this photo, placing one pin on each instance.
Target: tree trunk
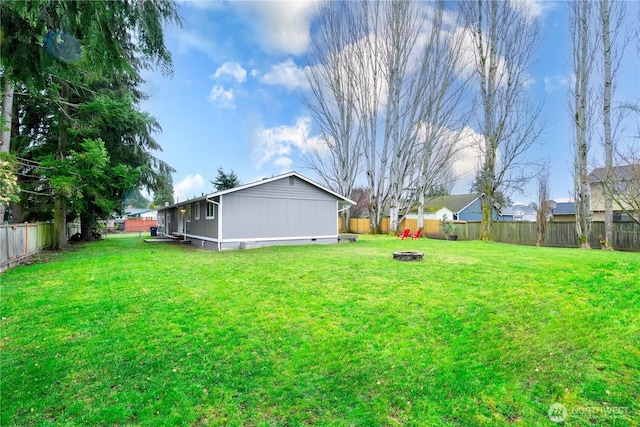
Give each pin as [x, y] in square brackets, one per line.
[7, 114]
[487, 218]
[17, 213]
[346, 216]
[582, 60]
[5, 140]
[87, 223]
[421, 209]
[59, 223]
[606, 110]
[60, 203]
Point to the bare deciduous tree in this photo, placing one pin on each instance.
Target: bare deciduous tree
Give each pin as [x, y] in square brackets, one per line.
[331, 102]
[580, 19]
[611, 24]
[544, 206]
[382, 74]
[442, 117]
[504, 38]
[360, 195]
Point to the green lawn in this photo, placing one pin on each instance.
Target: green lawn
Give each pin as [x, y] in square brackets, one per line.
[121, 332]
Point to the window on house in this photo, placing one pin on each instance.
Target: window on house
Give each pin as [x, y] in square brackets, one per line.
[211, 210]
[455, 216]
[188, 213]
[197, 213]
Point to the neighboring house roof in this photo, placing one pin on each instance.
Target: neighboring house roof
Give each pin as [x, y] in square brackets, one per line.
[455, 203]
[137, 211]
[518, 211]
[261, 182]
[620, 172]
[565, 208]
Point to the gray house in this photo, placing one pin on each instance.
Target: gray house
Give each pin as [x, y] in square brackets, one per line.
[287, 209]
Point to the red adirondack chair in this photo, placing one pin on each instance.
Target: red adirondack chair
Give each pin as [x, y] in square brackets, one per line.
[416, 235]
[404, 234]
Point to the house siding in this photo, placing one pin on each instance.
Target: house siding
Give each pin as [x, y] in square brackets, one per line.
[279, 210]
[204, 226]
[432, 215]
[473, 212]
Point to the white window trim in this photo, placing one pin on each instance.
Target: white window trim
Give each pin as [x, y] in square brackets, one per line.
[213, 210]
[188, 213]
[197, 213]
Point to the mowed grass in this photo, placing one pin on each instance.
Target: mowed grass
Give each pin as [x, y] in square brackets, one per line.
[121, 332]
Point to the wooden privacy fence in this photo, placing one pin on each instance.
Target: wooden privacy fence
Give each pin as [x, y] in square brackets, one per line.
[361, 226]
[626, 235]
[19, 241]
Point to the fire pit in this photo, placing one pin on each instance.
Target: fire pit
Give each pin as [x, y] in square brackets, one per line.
[408, 256]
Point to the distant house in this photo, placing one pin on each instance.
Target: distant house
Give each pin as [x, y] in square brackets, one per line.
[518, 212]
[432, 212]
[564, 212]
[286, 209]
[133, 219]
[141, 213]
[625, 179]
[460, 207]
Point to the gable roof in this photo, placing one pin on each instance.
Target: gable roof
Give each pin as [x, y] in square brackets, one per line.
[262, 182]
[455, 203]
[137, 211]
[619, 172]
[565, 208]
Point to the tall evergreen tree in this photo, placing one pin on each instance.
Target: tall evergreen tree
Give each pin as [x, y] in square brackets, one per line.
[114, 40]
[164, 192]
[225, 181]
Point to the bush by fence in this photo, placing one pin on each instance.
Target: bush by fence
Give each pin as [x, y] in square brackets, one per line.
[626, 235]
[19, 241]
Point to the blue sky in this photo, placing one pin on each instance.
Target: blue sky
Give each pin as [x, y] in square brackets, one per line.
[234, 100]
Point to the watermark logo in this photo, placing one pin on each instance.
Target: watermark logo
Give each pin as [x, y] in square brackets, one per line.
[557, 413]
[602, 411]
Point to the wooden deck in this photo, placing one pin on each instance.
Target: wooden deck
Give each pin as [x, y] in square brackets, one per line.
[169, 239]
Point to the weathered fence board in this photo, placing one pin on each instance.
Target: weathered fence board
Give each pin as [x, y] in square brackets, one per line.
[19, 241]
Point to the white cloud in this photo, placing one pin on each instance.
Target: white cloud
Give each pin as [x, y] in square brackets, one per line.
[188, 186]
[557, 82]
[221, 97]
[282, 26]
[278, 143]
[231, 70]
[286, 74]
[467, 160]
[467, 45]
[283, 163]
[192, 39]
[532, 9]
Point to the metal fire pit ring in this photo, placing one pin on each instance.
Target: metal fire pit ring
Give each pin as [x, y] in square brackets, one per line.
[408, 256]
